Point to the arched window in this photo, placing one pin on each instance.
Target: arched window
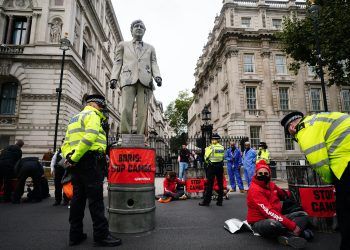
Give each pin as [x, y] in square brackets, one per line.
[8, 94]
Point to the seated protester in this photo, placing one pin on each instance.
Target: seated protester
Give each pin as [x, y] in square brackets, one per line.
[35, 195]
[173, 188]
[28, 167]
[216, 189]
[264, 211]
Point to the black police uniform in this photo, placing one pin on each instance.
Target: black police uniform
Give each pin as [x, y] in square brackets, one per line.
[28, 167]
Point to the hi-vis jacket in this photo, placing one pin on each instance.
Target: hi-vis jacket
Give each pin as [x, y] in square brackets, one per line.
[85, 133]
[214, 153]
[263, 154]
[325, 140]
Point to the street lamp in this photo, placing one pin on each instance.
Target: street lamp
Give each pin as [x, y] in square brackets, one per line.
[206, 128]
[64, 46]
[314, 11]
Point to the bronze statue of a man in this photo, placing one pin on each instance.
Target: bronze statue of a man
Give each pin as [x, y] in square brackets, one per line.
[133, 69]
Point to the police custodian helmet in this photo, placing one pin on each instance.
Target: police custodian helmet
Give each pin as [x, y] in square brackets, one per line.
[289, 118]
[99, 99]
[215, 136]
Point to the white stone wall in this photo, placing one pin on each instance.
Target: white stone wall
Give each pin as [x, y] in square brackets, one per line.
[222, 59]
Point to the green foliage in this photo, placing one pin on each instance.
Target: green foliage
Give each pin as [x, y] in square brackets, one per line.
[176, 112]
[333, 29]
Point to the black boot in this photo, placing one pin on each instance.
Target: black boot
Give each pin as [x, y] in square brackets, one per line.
[109, 241]
[204, 204]
[56, 203]
[219, 203]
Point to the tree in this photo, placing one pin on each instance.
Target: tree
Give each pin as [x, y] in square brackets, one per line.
[298, 40]
[176, 112]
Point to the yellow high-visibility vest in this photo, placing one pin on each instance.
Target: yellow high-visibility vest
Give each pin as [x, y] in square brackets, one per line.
[264, 155]
[85, 133]
[325, 140]
[214, 153]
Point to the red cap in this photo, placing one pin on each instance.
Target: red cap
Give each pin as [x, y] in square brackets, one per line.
[262, 164]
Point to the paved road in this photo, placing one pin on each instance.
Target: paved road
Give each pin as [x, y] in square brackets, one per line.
[180, 225]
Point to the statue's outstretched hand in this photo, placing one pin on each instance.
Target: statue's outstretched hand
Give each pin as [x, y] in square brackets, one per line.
[158, 81]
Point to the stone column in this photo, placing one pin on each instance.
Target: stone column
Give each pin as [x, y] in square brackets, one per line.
[43, 23]
[9, 30]
[29, 25]
[233, 79]
[33, 28]
[265, 54]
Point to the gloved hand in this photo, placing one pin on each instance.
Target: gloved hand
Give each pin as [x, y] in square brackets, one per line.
[68, 162]
[297, 230]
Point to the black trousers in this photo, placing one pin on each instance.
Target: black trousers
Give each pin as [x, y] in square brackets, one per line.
[342, 188]
[214, 170]
[59, 172]
[270, 228]
[25, 172]
[6, 176]
[87, 180]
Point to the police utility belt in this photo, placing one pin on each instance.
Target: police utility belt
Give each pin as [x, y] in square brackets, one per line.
[99, 155]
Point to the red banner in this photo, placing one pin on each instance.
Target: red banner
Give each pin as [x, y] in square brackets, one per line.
[195, 185]
[318, 201]
[131, 166]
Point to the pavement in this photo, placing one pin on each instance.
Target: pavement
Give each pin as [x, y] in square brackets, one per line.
[179, 225]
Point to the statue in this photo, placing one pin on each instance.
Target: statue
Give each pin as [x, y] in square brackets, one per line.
[135, 65]
[55, 32]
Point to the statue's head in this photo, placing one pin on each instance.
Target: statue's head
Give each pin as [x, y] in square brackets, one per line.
[137, 29]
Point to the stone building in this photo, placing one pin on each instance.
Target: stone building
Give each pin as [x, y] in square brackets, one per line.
[30, 64]
[243, 77]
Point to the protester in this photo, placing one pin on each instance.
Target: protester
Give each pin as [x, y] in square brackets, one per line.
[57, 171]
[8, 159]
[47, 157]
[325, 140]
[249, 158]
[265, 211]
[28, 167]
[263, 153]
[234, 162]
[184, 160]
[173, 188]
[216, 189]
[214, 157]
[36, 194]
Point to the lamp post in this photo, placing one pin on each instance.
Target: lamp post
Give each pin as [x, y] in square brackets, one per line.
[64, 46]
[314, 11]
[206, 128]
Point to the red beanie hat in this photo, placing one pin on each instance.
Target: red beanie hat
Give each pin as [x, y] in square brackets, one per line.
[262, 164]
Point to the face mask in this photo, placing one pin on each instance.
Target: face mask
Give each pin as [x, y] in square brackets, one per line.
[263, 178]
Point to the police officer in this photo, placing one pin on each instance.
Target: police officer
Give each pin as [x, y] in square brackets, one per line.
[325, 140]
[214, 157]
[263, 153]
[84, 146]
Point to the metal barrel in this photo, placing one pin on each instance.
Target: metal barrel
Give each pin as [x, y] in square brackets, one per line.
[300, 176]
[131, 208]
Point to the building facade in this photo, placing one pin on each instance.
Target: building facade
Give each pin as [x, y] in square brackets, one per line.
[30, 65]
[243, 77]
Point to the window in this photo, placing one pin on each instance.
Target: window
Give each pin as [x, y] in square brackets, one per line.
[248, 61]
[311, 70]
[8, 94]
[85, 53]
[227, 102]
[251, 98]
[4, 141]
[19, 31]
[277, 23]
[345, 96]
[255, 136]
[288, 140]
[315, 94]
[284, 98]
[245, 22]
[281, 65]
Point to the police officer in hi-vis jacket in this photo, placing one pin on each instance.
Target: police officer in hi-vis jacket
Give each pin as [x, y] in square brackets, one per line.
[84, 147]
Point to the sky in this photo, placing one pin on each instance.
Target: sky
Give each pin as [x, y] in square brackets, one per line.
[178, 30]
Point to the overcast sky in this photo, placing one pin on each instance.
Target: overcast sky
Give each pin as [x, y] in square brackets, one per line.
[178, 29]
